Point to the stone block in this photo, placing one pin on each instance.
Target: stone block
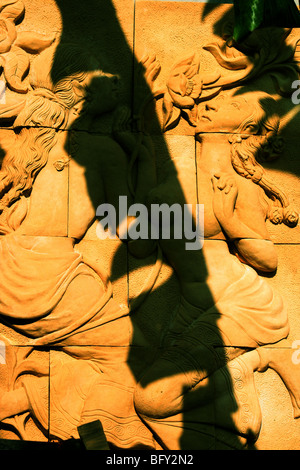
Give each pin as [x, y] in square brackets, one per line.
[165, 347]
[24, 390]
[109, 256]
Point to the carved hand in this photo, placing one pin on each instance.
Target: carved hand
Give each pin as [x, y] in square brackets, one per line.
[225, 195]
[150, 69]
[252, 248]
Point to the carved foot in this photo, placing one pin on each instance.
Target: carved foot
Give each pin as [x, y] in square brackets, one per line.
[280, 359]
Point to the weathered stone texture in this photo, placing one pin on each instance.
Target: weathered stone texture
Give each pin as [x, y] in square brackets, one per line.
[95, 342]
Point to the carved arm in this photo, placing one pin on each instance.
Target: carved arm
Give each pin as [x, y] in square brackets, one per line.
[252, 246]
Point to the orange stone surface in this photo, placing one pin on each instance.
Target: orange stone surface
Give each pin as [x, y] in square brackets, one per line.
[169, 342]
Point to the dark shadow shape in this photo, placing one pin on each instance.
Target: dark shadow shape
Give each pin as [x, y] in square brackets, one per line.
[113, 31]
[104, 52]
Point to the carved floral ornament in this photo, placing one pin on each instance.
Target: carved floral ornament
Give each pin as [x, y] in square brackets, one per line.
[41, 110]
[15, 46]
[184, 88]
[269, 51]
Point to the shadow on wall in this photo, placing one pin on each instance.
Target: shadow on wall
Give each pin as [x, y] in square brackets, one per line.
[184, 387]
[249, 15]
[99, 32]
[188, 396]
[274, 73]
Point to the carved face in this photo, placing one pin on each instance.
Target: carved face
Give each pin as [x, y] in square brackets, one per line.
[225, 114]
[101, 93]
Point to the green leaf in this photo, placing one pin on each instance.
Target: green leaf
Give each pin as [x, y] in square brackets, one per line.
[253, 14]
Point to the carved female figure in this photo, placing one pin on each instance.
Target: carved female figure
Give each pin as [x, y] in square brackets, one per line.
[49, 293]
[226, 308]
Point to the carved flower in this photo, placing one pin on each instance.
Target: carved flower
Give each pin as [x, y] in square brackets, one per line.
[14, 47]
[184, 85]
[184, 88]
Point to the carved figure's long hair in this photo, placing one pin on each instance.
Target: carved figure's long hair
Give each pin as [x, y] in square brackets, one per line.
[45, 111]
[40, 118]
[257, 139]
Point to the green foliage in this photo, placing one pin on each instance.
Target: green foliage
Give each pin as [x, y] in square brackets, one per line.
[254, 14]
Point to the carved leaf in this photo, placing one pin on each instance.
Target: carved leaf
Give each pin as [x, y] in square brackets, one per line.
[297, 51]
[171, 113]
[12, 10]
[168, 106]
[229, 58]
[16, 64]
[183, 102]
[283, 77]
[34, 42]
[191, 116]
[8, 35]
[210, 77]
[188, 67]
[209, 93]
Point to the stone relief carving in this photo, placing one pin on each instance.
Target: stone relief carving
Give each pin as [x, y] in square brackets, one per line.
[218, 291]
[60, 301]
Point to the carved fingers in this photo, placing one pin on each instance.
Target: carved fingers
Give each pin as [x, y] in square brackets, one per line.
[152, 69]
[224, 182]
[225, 195]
